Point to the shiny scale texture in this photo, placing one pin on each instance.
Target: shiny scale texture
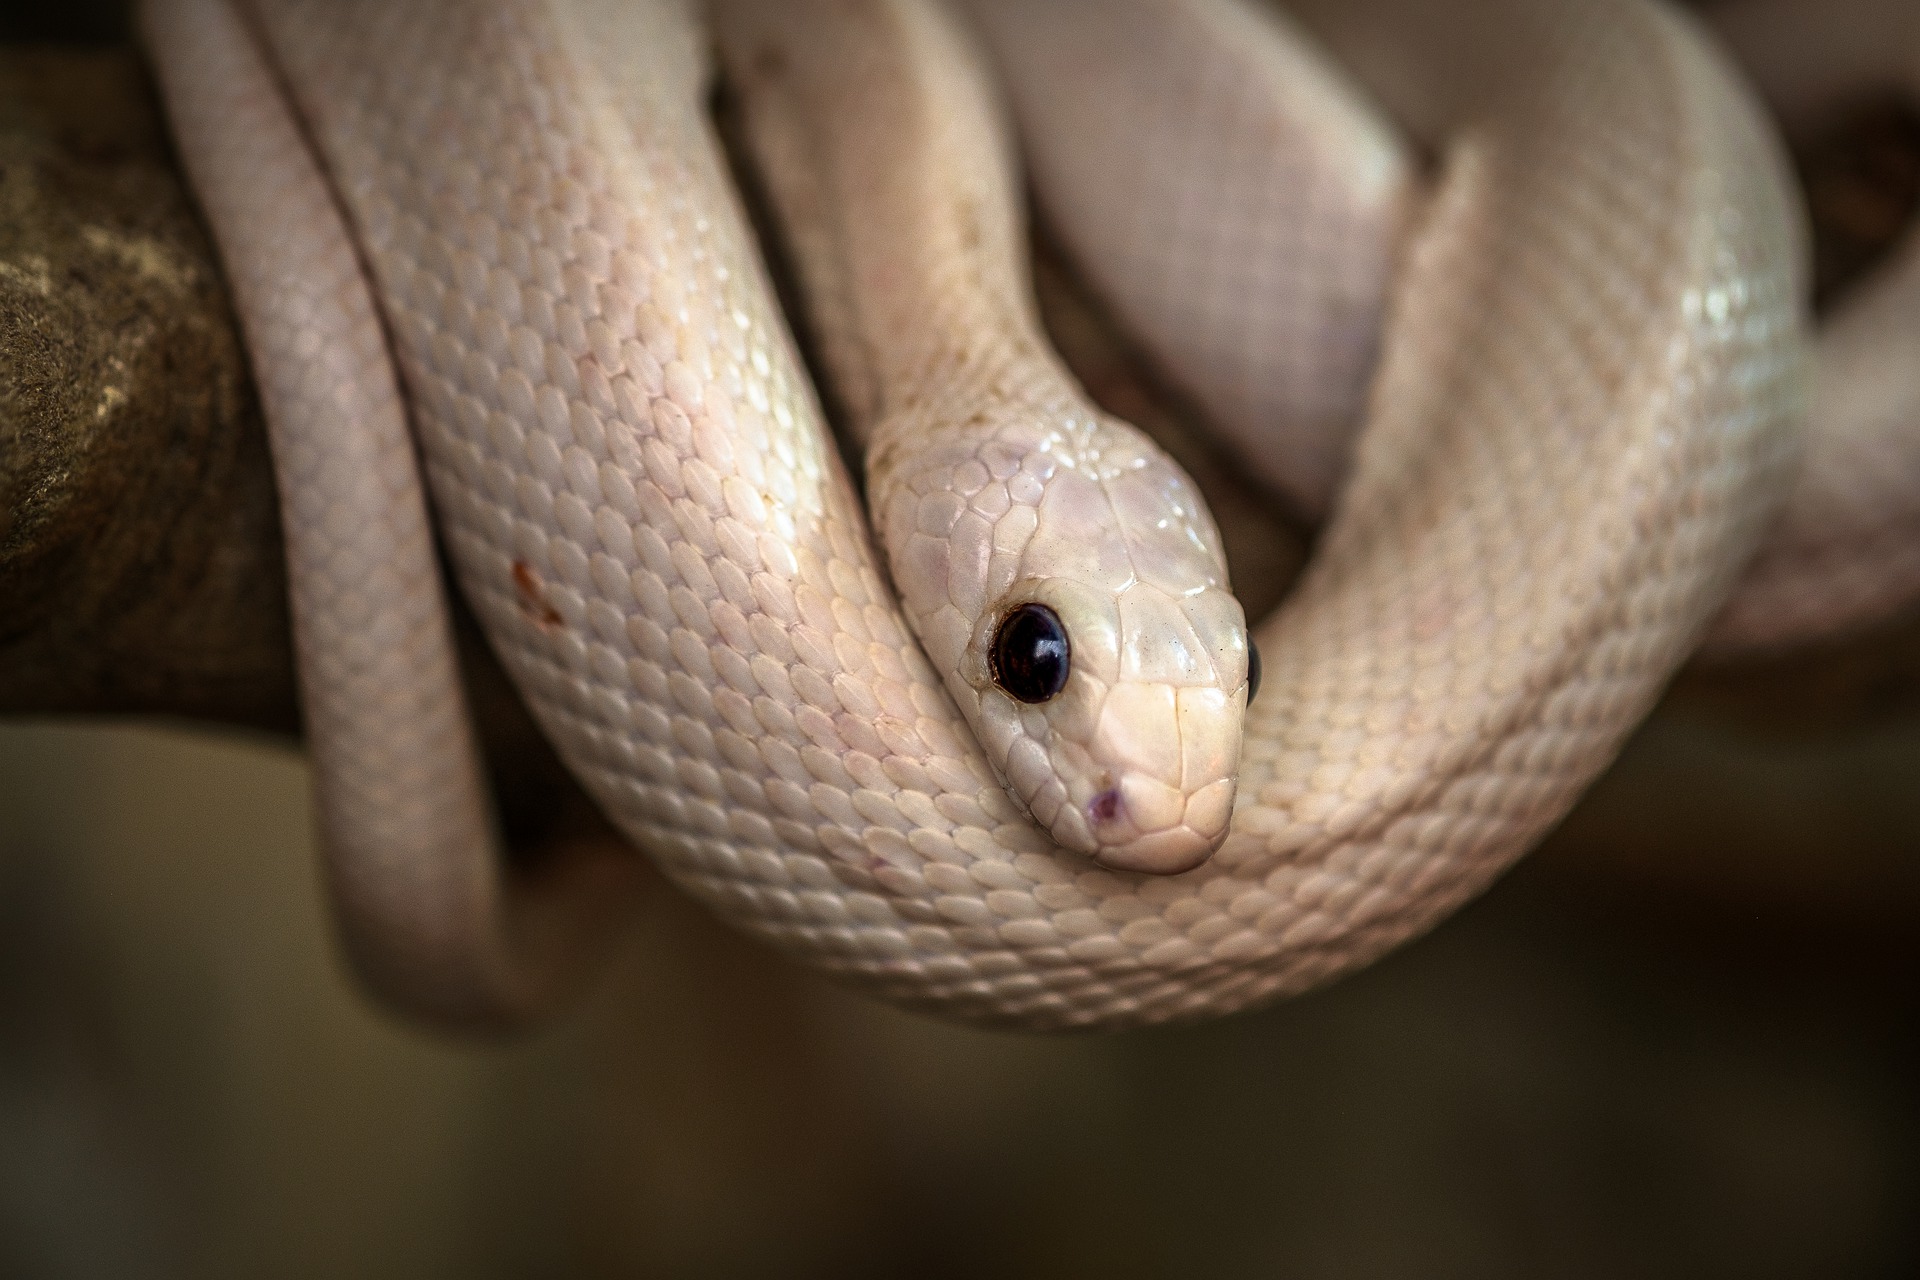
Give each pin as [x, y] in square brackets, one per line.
[1582, 417]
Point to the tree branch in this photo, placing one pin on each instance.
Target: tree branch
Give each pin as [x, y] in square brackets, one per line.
[140, 556]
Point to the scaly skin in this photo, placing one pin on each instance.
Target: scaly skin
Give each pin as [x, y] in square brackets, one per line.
[1566, 458]
[1269, 314]
[1845, 553]
[993, 480]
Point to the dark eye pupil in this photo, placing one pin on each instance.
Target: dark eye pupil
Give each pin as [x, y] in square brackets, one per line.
[1253, 670]
[1030, 653]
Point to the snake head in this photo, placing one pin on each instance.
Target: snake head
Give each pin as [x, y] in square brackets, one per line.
[1070, 587]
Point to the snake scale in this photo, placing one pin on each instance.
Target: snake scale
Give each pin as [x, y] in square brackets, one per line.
[1566, 318]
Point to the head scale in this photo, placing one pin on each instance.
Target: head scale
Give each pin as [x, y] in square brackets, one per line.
[1069, 584]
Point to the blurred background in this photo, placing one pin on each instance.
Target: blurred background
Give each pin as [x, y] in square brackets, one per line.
[1682, 1039]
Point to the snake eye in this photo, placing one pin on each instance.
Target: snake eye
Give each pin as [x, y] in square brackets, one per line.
[1253, 670]
[1030, 653]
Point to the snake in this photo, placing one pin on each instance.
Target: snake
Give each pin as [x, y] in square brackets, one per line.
[897, 710]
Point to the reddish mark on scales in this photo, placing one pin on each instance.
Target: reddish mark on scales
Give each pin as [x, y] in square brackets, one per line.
[1105, 807]
[533, 596]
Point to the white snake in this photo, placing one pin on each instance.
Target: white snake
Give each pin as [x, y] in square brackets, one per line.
[1580, 416]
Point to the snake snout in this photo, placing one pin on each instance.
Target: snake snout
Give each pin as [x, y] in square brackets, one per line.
[1194, 827]
[1172, 756]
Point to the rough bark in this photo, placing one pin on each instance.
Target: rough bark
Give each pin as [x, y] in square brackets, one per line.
[140, 565]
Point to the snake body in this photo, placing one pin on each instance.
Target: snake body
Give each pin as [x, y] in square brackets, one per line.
[1582, 414]
[1308, 274]
[1845, 552]
[996, 485]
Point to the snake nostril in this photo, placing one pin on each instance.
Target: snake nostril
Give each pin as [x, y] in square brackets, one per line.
[1030, 654]
[1105, 807]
